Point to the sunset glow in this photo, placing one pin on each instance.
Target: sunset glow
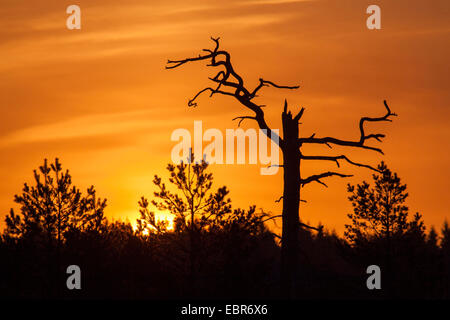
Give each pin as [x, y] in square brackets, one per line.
[100, 99]
[160, 216]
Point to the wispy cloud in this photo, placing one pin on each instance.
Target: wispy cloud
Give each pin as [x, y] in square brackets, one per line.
[86, 126]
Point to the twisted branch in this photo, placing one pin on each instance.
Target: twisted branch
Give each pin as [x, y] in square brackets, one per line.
[229, 79]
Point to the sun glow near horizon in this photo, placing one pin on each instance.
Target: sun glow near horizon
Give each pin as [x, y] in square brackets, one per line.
[159, 215]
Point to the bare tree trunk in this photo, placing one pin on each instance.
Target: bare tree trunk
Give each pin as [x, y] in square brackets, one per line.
[193, 243]
[291, 201]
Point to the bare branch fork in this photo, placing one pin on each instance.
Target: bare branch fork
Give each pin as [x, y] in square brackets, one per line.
[265, 83]
[318, 177]
[336, 159]
[272, 217]
[363, 137]
[243, 118]
[319, 229]
[279, 199]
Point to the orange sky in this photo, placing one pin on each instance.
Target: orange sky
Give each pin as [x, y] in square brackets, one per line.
[100, 99]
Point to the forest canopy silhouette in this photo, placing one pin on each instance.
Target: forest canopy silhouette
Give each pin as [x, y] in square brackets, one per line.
[213, 250]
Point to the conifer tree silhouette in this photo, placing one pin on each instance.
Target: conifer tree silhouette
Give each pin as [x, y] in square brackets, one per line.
[52, 207]
[194, 207]
[381, 216]
[378, 211]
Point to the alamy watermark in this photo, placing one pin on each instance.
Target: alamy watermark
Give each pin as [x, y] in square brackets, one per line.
[222, 151]
[74, 20]
[374, 20]
[374, 281]
[74, 279]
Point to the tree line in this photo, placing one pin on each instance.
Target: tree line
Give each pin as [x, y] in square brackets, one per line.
[213, 250]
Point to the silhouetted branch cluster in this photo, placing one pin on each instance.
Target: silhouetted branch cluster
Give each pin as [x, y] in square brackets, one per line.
[230, 83]
[361, 143]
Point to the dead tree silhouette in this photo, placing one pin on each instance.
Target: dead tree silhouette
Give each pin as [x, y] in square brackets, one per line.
[230, 83]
